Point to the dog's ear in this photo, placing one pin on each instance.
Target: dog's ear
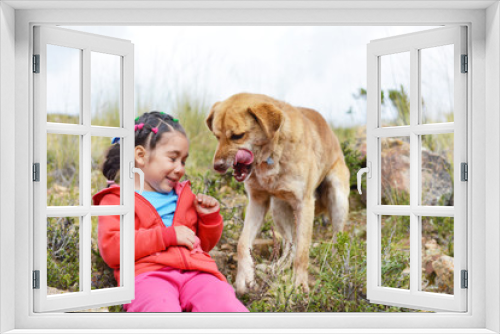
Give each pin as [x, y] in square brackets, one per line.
[210, 117]
[268, 117]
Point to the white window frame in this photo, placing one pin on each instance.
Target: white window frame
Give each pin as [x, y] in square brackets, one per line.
[484, 212]
[124, 51]
[412, 44]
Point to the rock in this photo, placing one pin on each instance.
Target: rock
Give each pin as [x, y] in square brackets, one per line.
[437, 268]
[220, 258]
[360, 231]
[55, 291]
[432, 251]
[431, 245]
[261, 267]
[445, 270]
[360, 141]
[395, 167]
[263, 248]
[437, 186]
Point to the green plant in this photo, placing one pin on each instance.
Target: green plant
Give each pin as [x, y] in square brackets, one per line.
[401, 101]
[354, 162]
[63, 248]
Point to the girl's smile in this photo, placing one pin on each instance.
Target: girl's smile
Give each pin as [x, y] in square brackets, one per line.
[164, 166]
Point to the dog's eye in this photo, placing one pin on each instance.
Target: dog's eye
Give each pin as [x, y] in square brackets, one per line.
[236, 137]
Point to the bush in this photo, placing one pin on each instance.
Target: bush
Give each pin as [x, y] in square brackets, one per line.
[63, 249]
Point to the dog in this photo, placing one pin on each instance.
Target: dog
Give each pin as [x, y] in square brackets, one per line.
[290, 162]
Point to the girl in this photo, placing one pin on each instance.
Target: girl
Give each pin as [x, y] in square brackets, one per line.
[174, 229]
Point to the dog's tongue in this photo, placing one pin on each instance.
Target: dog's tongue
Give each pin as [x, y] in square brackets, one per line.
[244, 157]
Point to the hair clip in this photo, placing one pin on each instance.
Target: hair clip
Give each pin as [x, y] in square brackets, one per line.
[161, 112]
[138, 126]
[175, 120]
[155, 130]
[137, 118]
[115, 140]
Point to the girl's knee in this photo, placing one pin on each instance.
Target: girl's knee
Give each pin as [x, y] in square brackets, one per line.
[162, 304]
[218, 299]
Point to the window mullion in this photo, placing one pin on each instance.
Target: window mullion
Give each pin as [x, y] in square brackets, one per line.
[85, 172]
[414, 171]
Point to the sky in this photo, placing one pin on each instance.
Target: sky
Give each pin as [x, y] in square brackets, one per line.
[319, 67]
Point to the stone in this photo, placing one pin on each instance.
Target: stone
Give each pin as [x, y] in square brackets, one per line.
[445, 270]
[263, 247]
[437, 185]
[220, 258]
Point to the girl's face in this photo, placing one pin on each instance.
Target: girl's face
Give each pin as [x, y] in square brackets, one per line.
[163, 167]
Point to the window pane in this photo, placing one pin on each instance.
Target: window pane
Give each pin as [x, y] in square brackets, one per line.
[63, 249]
[395, 251]
[395, 89]
[102, 271]
[437, 84]
[63, 169]
[63, 84]
[437, 254]
[395, 169]
[105, 89]
[437, 169]
[107, 155]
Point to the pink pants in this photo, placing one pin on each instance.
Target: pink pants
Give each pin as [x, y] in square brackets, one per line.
[173, 290]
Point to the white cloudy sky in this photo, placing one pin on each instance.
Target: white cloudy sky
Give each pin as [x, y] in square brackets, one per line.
[320, 67]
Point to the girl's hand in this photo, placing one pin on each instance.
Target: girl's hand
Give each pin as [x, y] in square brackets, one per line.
[185, 236]
[205, 204]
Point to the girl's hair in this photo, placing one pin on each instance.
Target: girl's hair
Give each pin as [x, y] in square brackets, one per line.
[149, 128]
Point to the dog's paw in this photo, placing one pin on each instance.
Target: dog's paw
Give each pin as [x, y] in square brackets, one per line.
[241, 286]
[244, 283]
[301, 283]
[303, 289]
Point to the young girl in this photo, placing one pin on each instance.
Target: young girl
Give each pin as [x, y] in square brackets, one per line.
[174, 229]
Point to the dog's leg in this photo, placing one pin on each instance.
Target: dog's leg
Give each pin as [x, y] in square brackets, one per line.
[304, 225]
[256, 210]
[285, 224]
[337, 196]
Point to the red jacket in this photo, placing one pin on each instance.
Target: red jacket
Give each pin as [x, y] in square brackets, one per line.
[156, 245]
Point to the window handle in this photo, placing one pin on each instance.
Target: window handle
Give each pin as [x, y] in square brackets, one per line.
[367, 170]
[141, 175]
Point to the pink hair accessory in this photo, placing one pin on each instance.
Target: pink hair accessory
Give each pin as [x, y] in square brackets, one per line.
[155, 130]
[110, 182]
[138, 126]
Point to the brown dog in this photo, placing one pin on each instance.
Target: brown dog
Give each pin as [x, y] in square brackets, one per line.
[291, 161]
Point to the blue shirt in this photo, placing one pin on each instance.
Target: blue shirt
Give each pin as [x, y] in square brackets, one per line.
[165, 204]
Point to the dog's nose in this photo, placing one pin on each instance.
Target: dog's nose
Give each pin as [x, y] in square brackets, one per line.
[220, 166]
